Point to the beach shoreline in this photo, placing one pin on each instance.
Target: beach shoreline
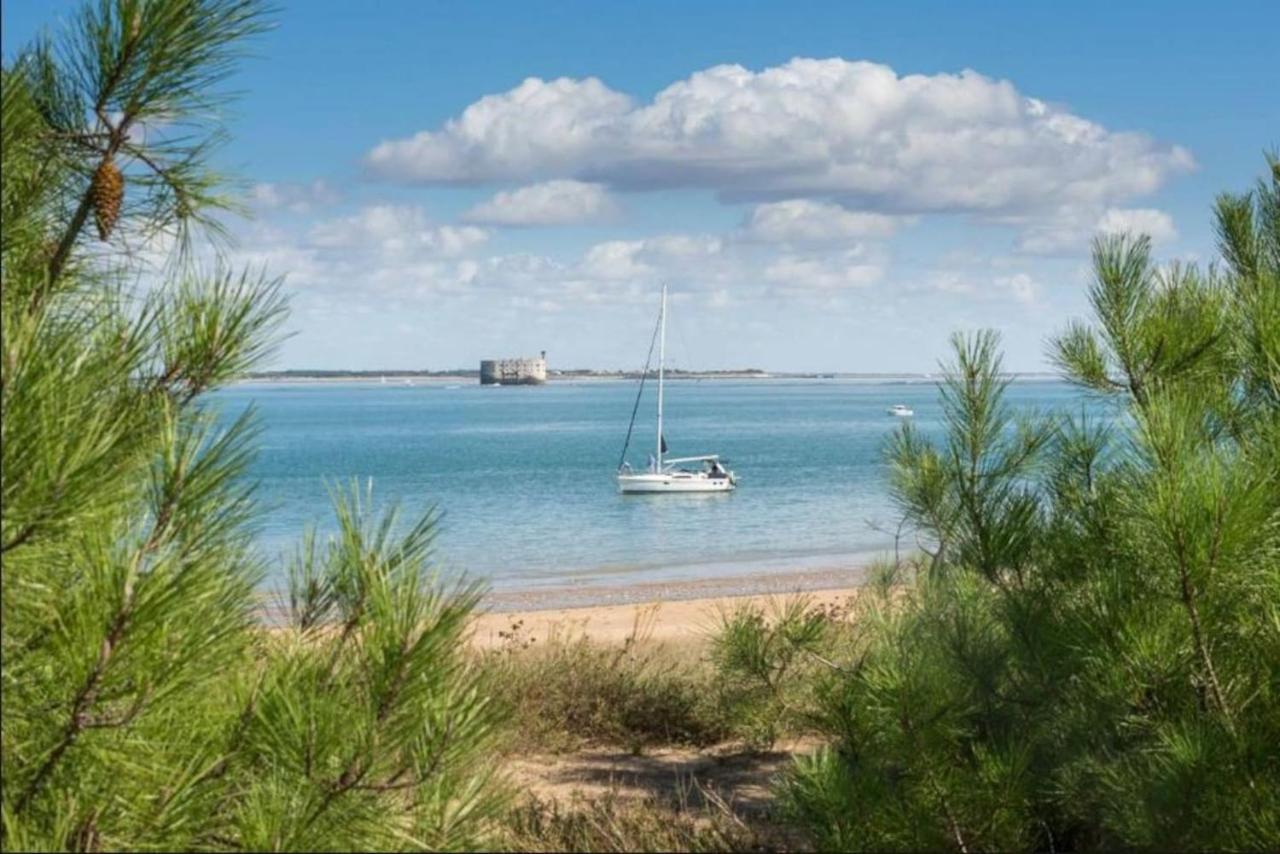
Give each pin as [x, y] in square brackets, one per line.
[676, 611]
[608, 603]
[590, 592]
[672, 611]
[690, 620]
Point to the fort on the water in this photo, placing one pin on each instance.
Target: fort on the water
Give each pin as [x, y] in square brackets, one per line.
[530, 371]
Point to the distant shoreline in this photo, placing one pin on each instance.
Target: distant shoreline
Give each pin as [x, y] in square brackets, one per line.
[472, 377]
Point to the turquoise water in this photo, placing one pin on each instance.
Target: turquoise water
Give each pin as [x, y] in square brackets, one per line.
[524, 475]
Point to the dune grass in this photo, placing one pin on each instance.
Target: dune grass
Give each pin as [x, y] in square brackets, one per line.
[565, 691]
[613, 824]
[750, 681]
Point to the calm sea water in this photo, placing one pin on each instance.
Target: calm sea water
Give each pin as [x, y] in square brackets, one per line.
[524, 475]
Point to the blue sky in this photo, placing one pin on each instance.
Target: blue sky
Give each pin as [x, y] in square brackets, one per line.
[825, 186]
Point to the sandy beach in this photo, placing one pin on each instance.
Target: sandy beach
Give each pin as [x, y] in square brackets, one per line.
[675, 611]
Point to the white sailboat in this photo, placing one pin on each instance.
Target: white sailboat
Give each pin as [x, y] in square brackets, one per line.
[668, 475]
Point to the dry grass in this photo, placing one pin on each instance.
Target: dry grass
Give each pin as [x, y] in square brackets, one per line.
[565, 691]
[642, 745]
[611, 823]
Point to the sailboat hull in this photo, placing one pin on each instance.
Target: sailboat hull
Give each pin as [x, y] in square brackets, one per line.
[672, 482]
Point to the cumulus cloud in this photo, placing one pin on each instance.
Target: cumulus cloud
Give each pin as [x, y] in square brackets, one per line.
[558, 202]
[396, 229]
[1070, 232]
[294, 197]
[855, 132]
[631, 259]
[392, 252]
[614, 260]
[1018, 287]
[841, 271]
[722, 269]
[806, 221]
[1158, 225]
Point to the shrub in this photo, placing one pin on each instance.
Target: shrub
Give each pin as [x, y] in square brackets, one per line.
[562, 692]
[764, 660]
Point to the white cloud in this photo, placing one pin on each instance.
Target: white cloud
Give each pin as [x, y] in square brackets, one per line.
[392, 252]
[538, 128]
[690, 246]
[615, 259]
[557, 202]
[1157, 225]
[1070, 232]
[1018, 287]
[824, 273]
[721, 270]
[805, 221]
[297, 198]
[396, 229]
[631, 259]
[856, 132]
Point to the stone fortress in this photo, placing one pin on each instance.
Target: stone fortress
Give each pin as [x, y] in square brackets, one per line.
[532, 371]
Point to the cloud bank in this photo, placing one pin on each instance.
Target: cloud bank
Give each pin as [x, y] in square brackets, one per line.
[293, 197]
[805, 221]
[395, 229]
[558, 202]
[856, 133]
[1157, 225]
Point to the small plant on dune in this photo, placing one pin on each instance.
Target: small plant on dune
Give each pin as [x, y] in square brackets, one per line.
[611, 823]
[145, 708]
[766, 660]
[567, 691]
[1090, 658]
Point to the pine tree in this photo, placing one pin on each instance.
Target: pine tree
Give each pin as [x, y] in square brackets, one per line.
[1090, 657]
[146, 705]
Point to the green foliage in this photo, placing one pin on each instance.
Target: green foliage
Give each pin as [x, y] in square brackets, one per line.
[764, 660]
[145, 705]
[1092, 659]
[970, 496]
[563, 692]
[137, 83]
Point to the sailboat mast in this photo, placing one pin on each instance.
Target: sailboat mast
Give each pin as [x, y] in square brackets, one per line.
[662, 358]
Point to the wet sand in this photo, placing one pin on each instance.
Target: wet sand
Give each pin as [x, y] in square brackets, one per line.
[805, 576]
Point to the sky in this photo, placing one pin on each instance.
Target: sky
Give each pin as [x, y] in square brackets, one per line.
[823, 186]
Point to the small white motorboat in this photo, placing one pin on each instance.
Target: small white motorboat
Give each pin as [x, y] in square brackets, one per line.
[665, 475]
[900, 410]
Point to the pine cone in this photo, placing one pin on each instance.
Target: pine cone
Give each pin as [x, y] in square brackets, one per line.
[108, 195]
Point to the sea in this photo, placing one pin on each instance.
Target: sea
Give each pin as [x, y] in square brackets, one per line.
[523, 476]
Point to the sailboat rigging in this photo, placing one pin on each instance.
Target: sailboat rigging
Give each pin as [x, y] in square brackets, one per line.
[663, 474]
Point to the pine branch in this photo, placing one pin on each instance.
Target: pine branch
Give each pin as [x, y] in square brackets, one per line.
[84, 699]
[1197, 633]
[78, 720]
[116, 135]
